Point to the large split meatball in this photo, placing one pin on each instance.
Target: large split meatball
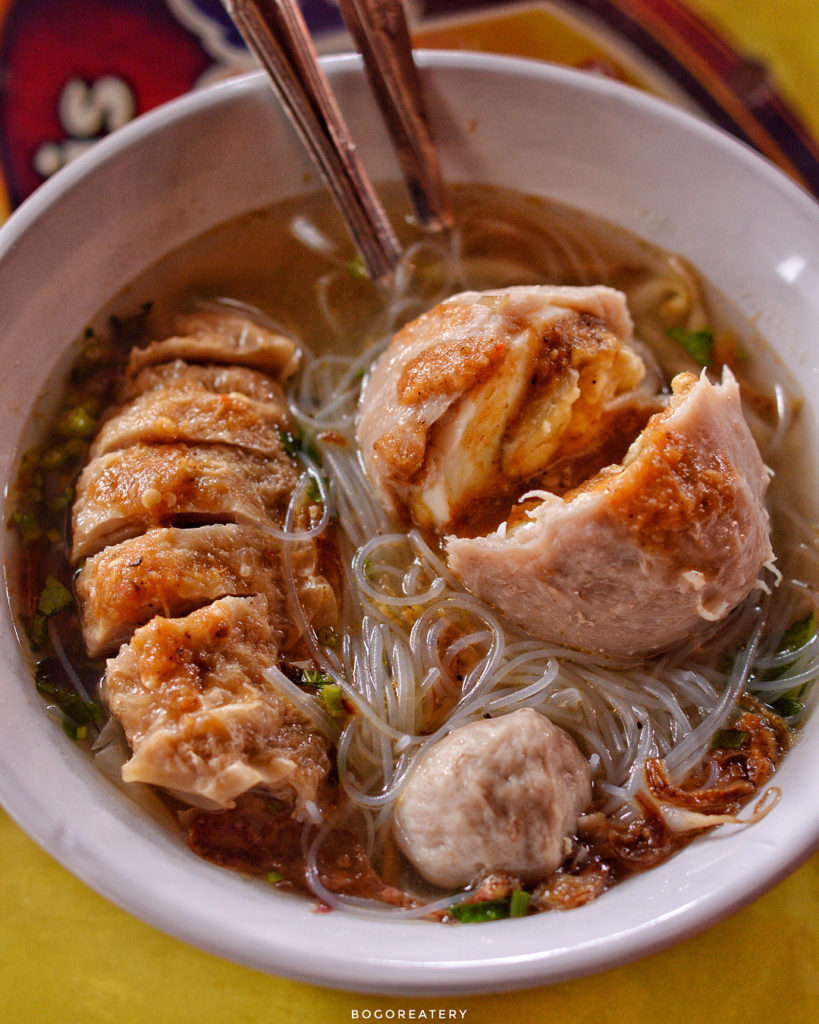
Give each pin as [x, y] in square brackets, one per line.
[589, 508]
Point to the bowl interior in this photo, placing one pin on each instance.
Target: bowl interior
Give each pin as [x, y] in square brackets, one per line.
[213, 155]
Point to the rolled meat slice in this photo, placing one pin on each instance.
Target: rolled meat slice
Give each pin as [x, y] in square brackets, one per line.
[170, 571]
[215, 336]
[130, 490]
[193, 415]
[214, 377]
[202, 717]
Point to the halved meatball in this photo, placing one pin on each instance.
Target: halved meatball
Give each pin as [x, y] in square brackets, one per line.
[489, 389]
[646, 553]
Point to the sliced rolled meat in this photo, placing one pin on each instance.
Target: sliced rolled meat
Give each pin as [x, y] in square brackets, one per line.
[500, 795]
[202, 717]
[170, 571]
[645, 553]
[193, 415]
[177, 526]
[221, 380]
[214, 336]
[130, 490]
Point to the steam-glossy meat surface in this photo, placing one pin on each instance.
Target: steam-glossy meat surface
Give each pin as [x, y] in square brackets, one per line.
[212, 376]
[193, 415]
[495, 796]
[201, 717]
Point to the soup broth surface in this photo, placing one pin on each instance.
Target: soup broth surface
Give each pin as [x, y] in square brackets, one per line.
[293, 263]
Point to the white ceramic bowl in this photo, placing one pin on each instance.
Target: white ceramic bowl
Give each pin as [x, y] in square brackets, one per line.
[172, 174]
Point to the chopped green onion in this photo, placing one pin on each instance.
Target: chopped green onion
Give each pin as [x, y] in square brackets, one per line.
[313, 491]
[274, 876]
[27, 525]
[799, 633]
[62, 501]
[699, 344]
[788, 707]
[356, 268]
[74, 731]
[728, 739]
[519, 903]
[477, 913]
[78, 423]
[315, 677]
[333, 699]
[54, 597]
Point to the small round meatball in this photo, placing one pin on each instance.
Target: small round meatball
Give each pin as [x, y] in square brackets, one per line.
[498, 795]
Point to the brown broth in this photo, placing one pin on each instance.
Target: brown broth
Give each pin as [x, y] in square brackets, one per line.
[294, 262]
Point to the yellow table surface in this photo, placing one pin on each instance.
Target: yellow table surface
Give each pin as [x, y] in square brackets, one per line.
[67, 956]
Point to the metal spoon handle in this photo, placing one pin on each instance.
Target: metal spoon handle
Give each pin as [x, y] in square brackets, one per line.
[381, 34]
[275, 32]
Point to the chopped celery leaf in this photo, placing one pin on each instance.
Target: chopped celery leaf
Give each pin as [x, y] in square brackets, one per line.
[70, 703]
[290, 442]
[315, 677]
[788, 707]
[333, 700]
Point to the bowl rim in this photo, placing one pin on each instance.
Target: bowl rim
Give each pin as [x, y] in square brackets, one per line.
[493, 961]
